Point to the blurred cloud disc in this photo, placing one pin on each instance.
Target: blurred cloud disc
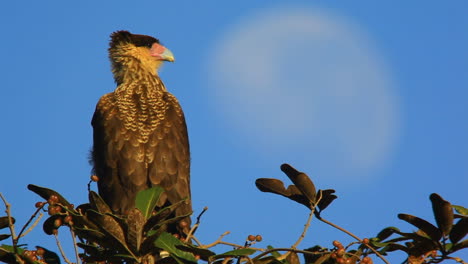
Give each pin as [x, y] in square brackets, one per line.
[308, 85]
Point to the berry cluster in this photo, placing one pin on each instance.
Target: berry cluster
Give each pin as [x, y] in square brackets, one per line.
[57, 209]
[341, 257]
[251, 239]
[34, 255]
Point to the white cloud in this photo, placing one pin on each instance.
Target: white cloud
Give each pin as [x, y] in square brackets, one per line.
[308, 82]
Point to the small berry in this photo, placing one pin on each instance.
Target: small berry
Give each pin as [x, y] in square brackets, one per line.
[197, 257]
[39, 204]
[94, 178]
[337, 244]
[340, 252]
[53, 199]
[176, 236]
[341, 261]
[258, 238]
[333, 255]
[68, 220]
[251, 238]
[40, 251]
[365, 241]
[58, 222]
[183, 224]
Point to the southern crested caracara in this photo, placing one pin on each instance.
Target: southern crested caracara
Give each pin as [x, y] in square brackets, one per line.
[140, 136]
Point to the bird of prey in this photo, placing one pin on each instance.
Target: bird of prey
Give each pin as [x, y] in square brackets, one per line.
[140, 135]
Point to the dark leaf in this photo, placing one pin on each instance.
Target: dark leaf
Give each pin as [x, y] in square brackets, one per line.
[168, 242]
[302, 182]
[4, 236]
[376, 244]
[49, 224]
[97, 203]
[4, 221]
[92, 250]
[292, 258]
[146, 200]
[110, 227]
[428, 228]
[394, 247]
[461, 245]
[135, 222]
[443, 213]
[160, 217]
[202, 252]
[277, 187]
[459, 230]
[327, 197]
[236, 253]
[387, 232]
[460, 209]
[50, 257]
[7, 254]
[46, 193]
[91, 235]
[267, 260]
[275, 254]
[317, 254]
[323, 259]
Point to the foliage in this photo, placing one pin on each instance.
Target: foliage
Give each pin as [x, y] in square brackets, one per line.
[141, 235]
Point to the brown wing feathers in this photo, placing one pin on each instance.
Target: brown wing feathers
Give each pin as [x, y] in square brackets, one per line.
[140, 135]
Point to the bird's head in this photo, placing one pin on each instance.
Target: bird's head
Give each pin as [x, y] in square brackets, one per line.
[128, 50]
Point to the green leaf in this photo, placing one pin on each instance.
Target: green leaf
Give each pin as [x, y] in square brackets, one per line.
[428, 228]
[4, 221]
[237, 252]
[146, 200]
[459, 230]
[275, 254]
[202, 252]
[461, 245]
[168, 242]
[460, 209]
[7, 254]
[387, 232]
[443, 213]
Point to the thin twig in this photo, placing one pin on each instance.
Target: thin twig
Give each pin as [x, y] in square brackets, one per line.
[237, 245]
[196, 240]
[38, 210]
[61, 249]
[288, 249]
[307, 225]
[14, 238]
[75, 246]
[36, 222]
[217, 241]
[355, 237]
[195, 226]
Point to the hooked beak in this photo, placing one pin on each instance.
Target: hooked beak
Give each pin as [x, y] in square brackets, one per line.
[161, 53]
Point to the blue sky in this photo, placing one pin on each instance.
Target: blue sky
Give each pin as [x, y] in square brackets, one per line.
[368, 98]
